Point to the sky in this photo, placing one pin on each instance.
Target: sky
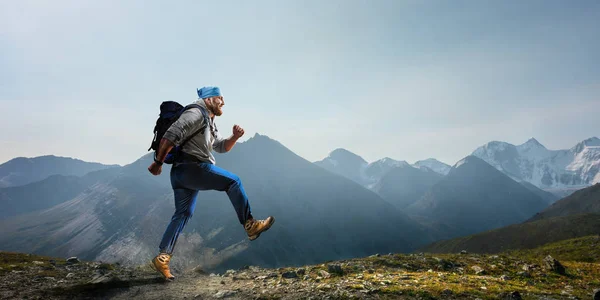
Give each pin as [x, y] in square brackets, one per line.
[407, 80]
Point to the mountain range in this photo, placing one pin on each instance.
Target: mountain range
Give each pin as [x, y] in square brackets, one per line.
[343, 205]
[121, 217]
[24, 170]
[561, 171]
[475, 197]
[345, 163]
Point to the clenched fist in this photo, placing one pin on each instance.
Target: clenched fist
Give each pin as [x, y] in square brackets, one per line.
[237, 131]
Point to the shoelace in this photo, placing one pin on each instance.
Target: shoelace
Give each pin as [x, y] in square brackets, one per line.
[164, 258]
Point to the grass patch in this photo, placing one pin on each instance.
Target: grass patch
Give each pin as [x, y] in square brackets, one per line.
[10, 261]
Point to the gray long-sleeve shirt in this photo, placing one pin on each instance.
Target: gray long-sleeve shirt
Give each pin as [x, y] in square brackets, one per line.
[202, 144]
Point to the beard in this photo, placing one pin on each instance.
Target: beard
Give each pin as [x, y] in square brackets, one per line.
[215, 110]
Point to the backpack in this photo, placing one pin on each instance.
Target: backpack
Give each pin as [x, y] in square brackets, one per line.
[170, 111]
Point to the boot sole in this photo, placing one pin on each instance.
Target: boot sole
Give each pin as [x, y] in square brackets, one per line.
[252, 238]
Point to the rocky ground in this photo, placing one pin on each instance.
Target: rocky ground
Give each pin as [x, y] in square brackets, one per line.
[389, 276]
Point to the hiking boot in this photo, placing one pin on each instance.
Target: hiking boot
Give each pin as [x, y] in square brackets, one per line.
[255, 227]
[161, 264]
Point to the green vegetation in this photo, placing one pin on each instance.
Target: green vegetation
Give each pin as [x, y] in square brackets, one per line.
[421, 276]
[528, 235]
[585, 249]
[10, 261]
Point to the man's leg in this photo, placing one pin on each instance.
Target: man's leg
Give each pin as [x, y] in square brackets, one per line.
[185, 203]
[207, 176]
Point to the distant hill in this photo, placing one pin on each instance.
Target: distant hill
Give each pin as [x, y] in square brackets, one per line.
[347, 164]
[22, 170]
[403, 186]
[583, 201]
[433, 164]
[49, 192]
[475, 197]
[521, 236]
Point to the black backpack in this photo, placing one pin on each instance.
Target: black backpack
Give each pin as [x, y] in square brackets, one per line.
[170, 111]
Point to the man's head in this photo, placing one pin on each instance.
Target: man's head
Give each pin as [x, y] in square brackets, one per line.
[213, 99]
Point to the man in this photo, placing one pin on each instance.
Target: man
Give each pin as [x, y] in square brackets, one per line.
[195, 170]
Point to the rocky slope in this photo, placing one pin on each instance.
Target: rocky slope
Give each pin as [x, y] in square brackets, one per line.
[521, 236]
[517, 275]
[580, 202]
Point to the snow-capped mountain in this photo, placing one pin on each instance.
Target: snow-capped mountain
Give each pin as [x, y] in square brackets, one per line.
[345, 163]
[433, 164]
[377, 169]
[574, 168]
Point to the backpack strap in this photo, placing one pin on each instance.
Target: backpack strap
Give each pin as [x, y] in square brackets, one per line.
[206, 123]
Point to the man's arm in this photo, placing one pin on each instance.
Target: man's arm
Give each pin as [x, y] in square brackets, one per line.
[229, 142]
[164, 148]
[222, 145]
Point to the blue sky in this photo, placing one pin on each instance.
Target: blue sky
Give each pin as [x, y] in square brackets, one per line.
[402, 79]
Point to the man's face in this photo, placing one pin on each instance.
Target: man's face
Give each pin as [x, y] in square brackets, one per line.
[215, 104]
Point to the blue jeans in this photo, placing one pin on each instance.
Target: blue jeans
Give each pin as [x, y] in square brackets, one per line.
[189, 178]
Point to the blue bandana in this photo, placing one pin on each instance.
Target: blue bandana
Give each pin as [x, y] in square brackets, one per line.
[209, 91]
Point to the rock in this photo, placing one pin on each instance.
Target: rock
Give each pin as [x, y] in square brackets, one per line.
[597, 294]
[260, 278]
[272, 275]
[375, 255]
[224, 294]
[478, 270]
[289, 274]
[73, 260]
[335, 269]
[463, 252]
[222, 282]
[524, 274]
[511, 296]
[371, 271]
[70, 275]
[505, 277]
[301, 271]
[213, 275]
[38, 262]
[306, 277]
[229, 272]
[198, 270]
[554, 265]
[447, 293]
[324, 274]
[103, 279]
